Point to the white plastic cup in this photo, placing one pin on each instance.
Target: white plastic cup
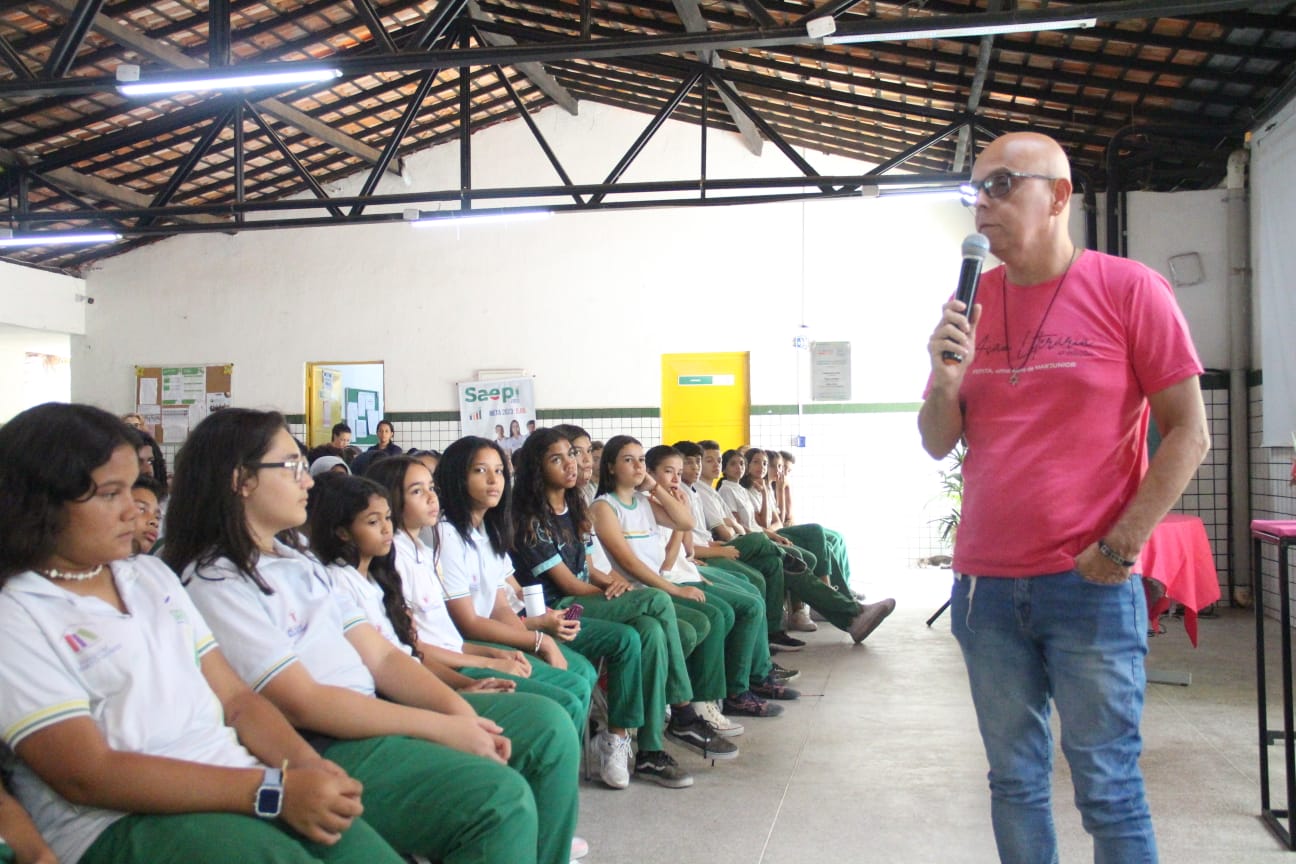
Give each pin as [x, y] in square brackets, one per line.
[533, 599]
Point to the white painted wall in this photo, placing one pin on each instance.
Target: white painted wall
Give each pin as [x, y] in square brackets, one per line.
[1165, 224]
[41, 301]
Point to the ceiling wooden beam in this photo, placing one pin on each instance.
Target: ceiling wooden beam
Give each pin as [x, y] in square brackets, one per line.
[534, 72]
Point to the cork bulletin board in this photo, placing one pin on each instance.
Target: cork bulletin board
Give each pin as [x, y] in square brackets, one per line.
[174, 399]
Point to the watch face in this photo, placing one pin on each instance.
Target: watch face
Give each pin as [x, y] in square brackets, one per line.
[268, 801]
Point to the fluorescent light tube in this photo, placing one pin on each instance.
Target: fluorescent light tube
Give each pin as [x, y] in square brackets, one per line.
[478, 217]
[961, 32]
[230, 81]
[66, 238]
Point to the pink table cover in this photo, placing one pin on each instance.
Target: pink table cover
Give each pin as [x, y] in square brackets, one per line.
[1178, 555]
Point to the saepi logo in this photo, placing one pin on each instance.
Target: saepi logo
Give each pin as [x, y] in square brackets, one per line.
[493, 394]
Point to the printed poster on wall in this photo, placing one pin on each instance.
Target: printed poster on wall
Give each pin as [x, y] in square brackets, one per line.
[489, 408]
[830, 371]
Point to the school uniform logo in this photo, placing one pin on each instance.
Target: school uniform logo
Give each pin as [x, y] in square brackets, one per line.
[80, 639]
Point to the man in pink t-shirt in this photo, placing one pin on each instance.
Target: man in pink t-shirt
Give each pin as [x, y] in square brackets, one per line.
[1063, 356]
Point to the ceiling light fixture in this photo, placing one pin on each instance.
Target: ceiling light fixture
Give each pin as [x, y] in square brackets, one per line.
[475, 217]
[961, 32]
[129, 84]
[67, 238]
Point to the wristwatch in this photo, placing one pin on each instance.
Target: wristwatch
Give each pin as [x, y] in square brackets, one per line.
[269, 795]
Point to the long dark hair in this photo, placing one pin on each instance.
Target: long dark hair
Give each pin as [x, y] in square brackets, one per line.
[532, 515]
[751, 454]
[607, 462]
[390, 473]
[206, 519]
[47, 455]
[335, 502]
[159, 458]
[724, 462]
[451, 479]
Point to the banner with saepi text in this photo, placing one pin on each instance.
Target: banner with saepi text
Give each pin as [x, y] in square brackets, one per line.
[490, 408]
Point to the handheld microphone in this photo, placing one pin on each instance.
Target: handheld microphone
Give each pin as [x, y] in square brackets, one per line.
[975, 247]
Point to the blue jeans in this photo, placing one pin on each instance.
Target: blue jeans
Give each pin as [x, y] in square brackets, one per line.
[1028, 639]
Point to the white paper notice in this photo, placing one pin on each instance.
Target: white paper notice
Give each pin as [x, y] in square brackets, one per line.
[216, 401]
[175, 424]
[197, 413]
[148, 391]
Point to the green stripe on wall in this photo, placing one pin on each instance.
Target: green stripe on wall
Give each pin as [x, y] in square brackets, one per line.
[841, 408]
[592, 413]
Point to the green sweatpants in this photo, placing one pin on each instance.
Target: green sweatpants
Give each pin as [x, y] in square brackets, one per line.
[571, 688]
[761, 563]
[747, 657]
[839, 608]
[664, 675]
[711, 621]
[218, 838]
[620, 644]
[431, 800]
[829, 547]
[547, 755]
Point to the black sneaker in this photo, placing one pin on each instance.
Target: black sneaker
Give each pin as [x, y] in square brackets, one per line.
[784, 675]
[701, 737]
[660, 768]
[781, 641]
[773, 688]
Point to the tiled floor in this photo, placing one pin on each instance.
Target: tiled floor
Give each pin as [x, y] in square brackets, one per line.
[881, 761]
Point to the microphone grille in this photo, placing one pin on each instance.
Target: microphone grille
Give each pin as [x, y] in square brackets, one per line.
[975, 246]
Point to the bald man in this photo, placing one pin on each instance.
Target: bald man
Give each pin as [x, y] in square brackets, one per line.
[1063, 354]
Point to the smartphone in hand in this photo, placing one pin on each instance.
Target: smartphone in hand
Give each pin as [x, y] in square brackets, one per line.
[573, 612]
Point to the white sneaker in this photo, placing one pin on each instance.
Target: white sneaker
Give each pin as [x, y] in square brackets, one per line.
[800, 621]
[614, 759]
[724, 727]
[579, 848]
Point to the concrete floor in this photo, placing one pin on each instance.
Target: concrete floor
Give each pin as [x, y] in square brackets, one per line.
[880, 760]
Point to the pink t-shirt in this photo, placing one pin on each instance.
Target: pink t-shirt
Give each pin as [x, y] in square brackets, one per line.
[1053, 461]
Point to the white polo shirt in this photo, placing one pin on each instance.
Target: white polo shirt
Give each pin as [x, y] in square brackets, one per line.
[305, 619]
[470, 568]
[135, 674]
[701, 532]
[421, 584]
[739, 502]
[713, 506]
[368, 595]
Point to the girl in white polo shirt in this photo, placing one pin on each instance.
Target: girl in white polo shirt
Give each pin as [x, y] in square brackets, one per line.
[415, 510]
[106, 658]
[473, 537]
[436, 782]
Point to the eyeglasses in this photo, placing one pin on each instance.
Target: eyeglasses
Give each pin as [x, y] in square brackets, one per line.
[297, 466]
[997, 185]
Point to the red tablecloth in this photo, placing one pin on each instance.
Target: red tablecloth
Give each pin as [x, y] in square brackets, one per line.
[1178, 555]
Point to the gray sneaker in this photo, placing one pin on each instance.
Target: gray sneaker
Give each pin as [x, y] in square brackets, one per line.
[702, 737]
[870, 616]
[660, 768]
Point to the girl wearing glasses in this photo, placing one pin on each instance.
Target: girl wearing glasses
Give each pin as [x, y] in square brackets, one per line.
[435, 775]
[96, 641]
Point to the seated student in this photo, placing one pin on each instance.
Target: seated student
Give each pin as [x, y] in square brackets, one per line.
[828, 546]
[841, 610]
[152, 462]
[386, 432]
[329, 465]
[473, 539]
[20, 842]
[550, 533]
[416, 509]
[749, 671]
[337, 445]
[351, 529]
[149, 496]
[758, 561]
[435, 774]
[798, 612]
[95, 642]
[627, 532]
